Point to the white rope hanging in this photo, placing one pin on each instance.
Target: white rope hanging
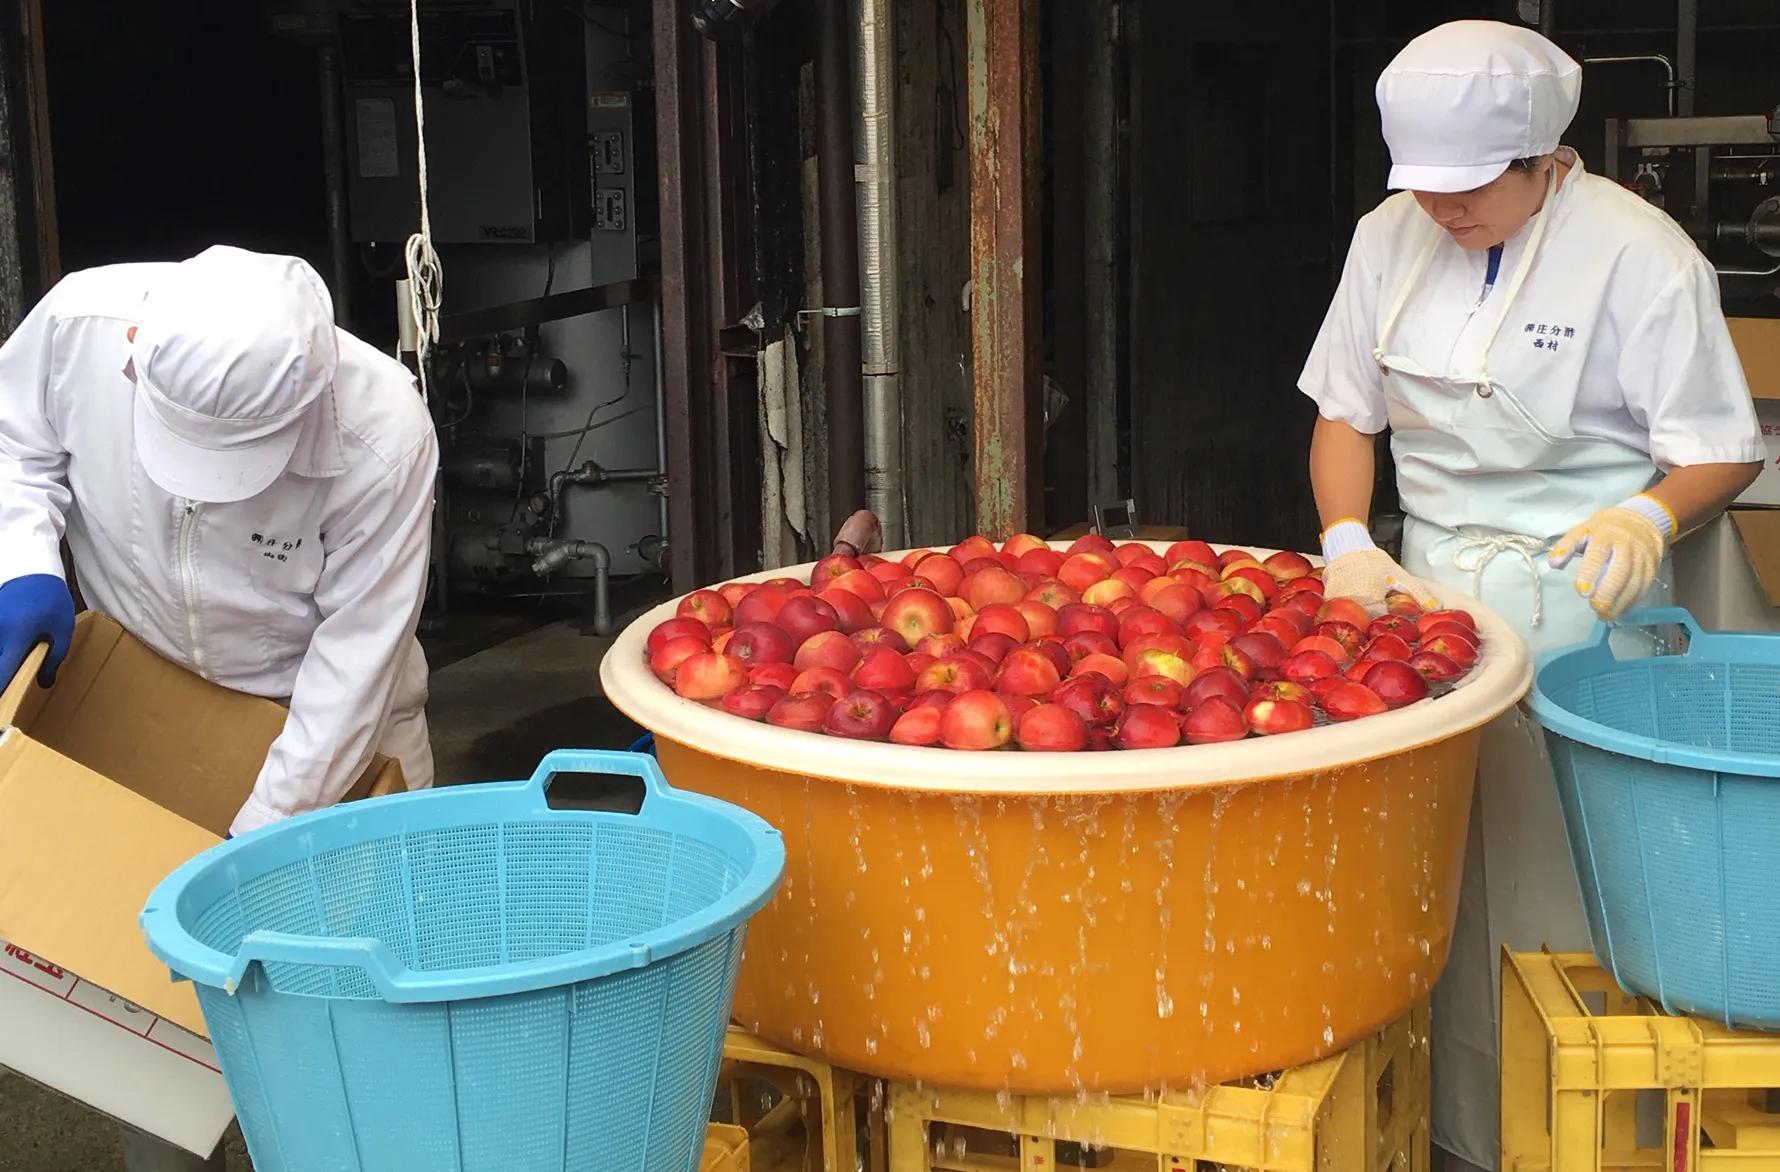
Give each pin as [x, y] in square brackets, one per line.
[426, 277]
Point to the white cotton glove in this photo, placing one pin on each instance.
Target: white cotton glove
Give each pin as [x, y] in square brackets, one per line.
[1622, 549]
[1356, 568]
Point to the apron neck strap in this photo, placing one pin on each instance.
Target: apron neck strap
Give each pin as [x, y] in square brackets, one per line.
[1409, 286]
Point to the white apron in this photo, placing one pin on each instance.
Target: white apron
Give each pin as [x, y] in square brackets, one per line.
[1473, 442]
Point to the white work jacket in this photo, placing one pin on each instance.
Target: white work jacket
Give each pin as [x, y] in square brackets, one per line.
[308, 593]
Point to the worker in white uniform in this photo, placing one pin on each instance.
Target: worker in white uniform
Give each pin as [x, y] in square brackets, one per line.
[1564, 402]
[244, 486]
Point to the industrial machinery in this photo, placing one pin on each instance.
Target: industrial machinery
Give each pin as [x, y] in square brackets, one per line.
[1719, 177]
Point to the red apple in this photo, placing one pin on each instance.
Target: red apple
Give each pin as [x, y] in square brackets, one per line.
[1242, 604]
[826, 680]
[889, 573]
[1027, 672]
[918, 726]
[861, 715]
[883, 669]
[1386, 647]
[1304, 602]
[873, 637]
[1045, 561]
[1462, 653]
[861, 583]
[1159, 690]
[1155, 661]
[1178, 602]
[1391, 624]
[708, 677]
[1344, 610]
[1300, 622]
[1083, 570]
[1214, 721]
[804, 711]
[1255, 576]
[1078, 618]
[1223, 622]
[1052, 648]
[954, 674]
[1133, 576]
[762, 606]
[1435, 667]
[1271, 717]
[1397, 683]
[989, 666]
[1041, 620]
[1352, 638]
[758, 643]
[1237, 557]
[1088, 643]
[1052, 728]
[852, 611]
[752, 701]
[807, 615]
[1286, 565]
[1110, 666]
[940, 646]
[1001, 618]
[1461, 617]
[1107, 591]
[1306, 667]
[916, 614]
[1265, 651]
[1052, 593]
[1090, 697]
[707, 606]
[974, 546]
[774, 675]
[734, 592]
[1091, 543]
[1323, 644]
[976, 720]
[1283, 690]
[1140, 620]
[1352, 701]
[679, 628]
[666, 661]
[1191, 551]
[995, 646]
[827, 649]
[1217, 683]
[1449, 628]
[1402, 604]
[1147, 726]
[831, 567]
[989, 586]
[942, 570]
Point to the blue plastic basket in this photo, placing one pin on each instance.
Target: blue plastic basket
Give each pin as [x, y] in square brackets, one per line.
[1668, 768]
[468, 979]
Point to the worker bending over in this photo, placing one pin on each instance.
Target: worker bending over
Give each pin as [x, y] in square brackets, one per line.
[243, 486]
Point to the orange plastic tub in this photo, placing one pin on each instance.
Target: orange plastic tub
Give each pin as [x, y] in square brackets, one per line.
[1105, 922]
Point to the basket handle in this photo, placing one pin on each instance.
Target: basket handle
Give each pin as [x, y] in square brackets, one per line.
[386, 974]
[641, 766]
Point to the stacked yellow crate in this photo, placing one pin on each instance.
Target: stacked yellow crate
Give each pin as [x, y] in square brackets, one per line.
[1579, 1055]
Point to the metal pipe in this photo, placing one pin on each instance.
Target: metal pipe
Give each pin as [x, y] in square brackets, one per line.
[661, 451]
[591, 474]
[1687, 41]
[840, 262]
[540, 376]
[1548, 19]
[875, 176]
[1101, 211]
[333, 170]
[1652, 58]
[553, 554]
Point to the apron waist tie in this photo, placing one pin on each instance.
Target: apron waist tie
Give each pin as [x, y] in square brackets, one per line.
[1476, 551]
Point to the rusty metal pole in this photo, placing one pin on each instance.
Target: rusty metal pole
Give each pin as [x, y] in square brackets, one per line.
[1006, 268]
[839, 211]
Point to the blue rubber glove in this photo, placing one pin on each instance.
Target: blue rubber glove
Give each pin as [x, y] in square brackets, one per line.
[34, 609]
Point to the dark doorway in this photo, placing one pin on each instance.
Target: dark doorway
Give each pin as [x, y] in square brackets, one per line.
[1231, 239]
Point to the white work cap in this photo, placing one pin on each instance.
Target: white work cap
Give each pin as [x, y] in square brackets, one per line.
[235, 352]
[1464, 100]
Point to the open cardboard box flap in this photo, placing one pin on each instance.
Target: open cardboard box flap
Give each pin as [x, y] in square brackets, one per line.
[1758, 344]
[1759, 530]
[125, 769]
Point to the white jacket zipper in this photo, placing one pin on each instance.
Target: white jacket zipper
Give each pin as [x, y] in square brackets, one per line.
[189, 582]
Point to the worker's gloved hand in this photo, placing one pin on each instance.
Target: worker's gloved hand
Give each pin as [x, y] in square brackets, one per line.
[861, 534]
[1622, 548]
[1353, 567]
[34, 609]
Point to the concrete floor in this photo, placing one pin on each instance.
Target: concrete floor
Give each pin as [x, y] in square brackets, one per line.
[494, 712]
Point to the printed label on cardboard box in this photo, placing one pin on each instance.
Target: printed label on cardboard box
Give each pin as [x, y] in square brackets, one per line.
[57, 982]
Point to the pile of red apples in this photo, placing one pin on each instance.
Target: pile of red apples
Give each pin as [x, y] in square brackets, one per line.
[1099, 646]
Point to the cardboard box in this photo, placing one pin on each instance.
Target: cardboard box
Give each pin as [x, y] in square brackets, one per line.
[1758, 344]
[1766, 489]
[125, 769]
[1728, 574]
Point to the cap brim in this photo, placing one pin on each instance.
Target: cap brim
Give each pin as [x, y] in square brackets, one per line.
[210, 475]
[1446, 180]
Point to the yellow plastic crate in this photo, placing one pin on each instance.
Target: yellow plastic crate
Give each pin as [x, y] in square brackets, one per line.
[800, 1114]
[1595, 1079]
[1365, 1110]
[726, 1149]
